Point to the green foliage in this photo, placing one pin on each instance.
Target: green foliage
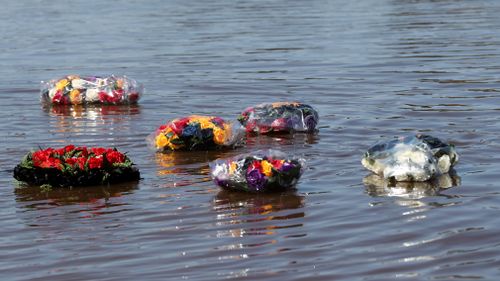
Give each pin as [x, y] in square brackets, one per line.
[126, 164]
[27, 161]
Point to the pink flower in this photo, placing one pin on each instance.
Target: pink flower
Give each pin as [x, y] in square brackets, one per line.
[279, 124]
[178, 125]
[251, 125]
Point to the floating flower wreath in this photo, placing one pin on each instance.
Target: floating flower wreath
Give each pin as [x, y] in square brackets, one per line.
[261, 171]
[74, 89]
[279, 117]
[195, 133]
[75, 166]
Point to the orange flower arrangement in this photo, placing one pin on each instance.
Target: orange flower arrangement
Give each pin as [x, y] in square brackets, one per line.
[195, 133]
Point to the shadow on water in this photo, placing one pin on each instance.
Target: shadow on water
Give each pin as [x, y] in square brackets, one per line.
[377, 186]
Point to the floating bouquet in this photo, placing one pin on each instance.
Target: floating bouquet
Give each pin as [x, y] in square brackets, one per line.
[279, 117]
[75, 166]
[411, 158]
[262, 171]
[74, 89]
[195, 132]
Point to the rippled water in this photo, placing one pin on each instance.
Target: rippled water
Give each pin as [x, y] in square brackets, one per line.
[373, 69]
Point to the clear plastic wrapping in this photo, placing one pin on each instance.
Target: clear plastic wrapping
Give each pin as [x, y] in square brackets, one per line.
[260, 171]
[75, 166]
[279, 117]
[75, 89]
[411, 158]
[196, 132]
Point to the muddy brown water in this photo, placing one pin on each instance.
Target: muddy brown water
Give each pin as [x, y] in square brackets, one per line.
[373, 69]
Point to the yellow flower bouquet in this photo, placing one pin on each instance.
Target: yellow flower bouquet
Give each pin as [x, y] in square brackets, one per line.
[196, 132]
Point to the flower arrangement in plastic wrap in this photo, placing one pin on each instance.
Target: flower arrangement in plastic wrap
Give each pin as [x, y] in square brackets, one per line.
[75, 166]
[411, 158]
[75, 89]
[196, 132]
[261, 171]
[279, 117]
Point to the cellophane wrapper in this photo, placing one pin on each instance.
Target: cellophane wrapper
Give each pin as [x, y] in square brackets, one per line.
[80, 90]
[279, 117]
[260, 171]
[415, 158]
[196, 132]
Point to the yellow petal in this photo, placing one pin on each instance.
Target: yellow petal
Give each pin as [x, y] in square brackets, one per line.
[232, 167]
[75, 96]
[62, 84]
[119, 83]
[205, 122]
[279, 104]
[267, 168]
[219, 136]
[161, 141]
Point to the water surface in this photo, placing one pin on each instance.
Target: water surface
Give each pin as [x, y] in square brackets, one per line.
[373, 71]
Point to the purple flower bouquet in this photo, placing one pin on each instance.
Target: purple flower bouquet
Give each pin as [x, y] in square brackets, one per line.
[261, 171]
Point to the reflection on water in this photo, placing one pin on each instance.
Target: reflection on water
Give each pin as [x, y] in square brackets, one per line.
[296, 139]
[85, 120]
[54, 197]
[91, 112]
[256, 225]
[379, 186]
[184, 168]
[245, 210]
[262, 203]
[60, 207]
